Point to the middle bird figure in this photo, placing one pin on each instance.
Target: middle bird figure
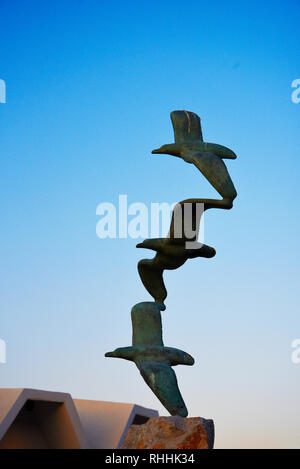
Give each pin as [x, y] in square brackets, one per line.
[172, 252]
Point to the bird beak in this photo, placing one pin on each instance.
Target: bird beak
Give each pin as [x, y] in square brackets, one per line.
[157, 151]
[110, 354]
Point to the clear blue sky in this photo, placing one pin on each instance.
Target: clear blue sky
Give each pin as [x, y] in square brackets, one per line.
[90, 85]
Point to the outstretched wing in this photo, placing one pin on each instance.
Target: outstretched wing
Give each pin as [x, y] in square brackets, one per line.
[187, 126]
[163, 382]
[146, 324]
[152, 278]
[215, 171]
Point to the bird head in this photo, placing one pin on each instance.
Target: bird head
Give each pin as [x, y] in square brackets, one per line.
[122, 352]
[169, 149]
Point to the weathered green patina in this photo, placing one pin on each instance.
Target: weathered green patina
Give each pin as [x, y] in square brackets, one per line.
[148, 352]
[153, 360]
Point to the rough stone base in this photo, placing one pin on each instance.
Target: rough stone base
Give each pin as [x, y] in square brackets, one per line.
[171, 433]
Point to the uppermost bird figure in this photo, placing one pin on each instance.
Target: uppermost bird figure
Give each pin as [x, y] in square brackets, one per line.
[207, 157]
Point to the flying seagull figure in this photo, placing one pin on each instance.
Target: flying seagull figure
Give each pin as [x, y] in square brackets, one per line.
[168, 256]
[153, 360]
[207, 157]
[172, 252]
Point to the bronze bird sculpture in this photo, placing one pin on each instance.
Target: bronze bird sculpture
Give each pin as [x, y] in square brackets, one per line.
[152, 358]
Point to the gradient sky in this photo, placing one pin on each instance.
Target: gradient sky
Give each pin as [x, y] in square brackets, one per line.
[90, 85]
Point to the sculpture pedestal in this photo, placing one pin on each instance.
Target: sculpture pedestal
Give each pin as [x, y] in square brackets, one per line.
[171, 433]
